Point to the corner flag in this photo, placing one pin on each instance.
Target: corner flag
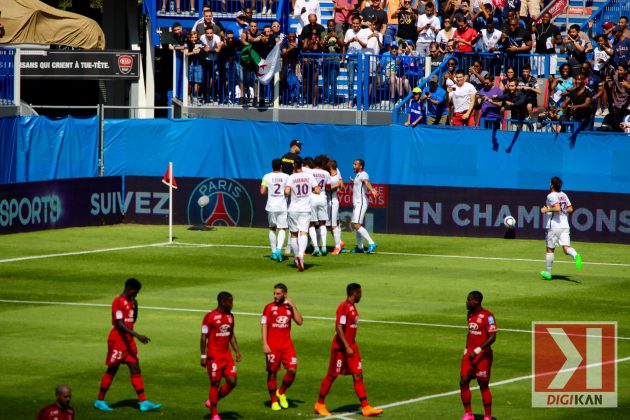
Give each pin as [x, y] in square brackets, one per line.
[169, 178]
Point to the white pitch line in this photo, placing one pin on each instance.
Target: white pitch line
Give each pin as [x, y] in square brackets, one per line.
[68, 254]
[411, 254]
[457, 392]
[317, 318]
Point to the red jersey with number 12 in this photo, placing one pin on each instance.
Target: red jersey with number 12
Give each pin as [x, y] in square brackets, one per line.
[122, 310]
[348, 318]
[480, 324]
[219, 327]
[278, 321]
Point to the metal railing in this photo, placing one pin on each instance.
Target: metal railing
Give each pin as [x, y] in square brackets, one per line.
[9, 76]
[612, 10]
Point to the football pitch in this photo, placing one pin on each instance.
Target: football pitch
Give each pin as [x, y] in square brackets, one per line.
[56, 318]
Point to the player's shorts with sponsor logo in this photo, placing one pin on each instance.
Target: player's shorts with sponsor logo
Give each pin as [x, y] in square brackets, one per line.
[121, 351]
[358, 212]
[285, 357]
[558, 236]
[299, 221]
[319, 209]
[220, 365]
[333, 214]
[342, 364]
[479, 367]
[277, 219]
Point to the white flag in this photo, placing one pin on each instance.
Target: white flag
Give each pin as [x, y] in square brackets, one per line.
[267, 67]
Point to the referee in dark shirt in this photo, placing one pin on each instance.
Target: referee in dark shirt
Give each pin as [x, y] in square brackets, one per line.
[289, 157]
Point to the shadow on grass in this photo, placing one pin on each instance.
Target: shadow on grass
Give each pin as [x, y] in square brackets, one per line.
[226, 415]
[346, 408]
[480, 417]
[126, 403]
[564, 278]
[292, 403]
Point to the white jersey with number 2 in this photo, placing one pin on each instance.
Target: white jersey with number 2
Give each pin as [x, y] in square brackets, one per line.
[560, 219]
[275, 183]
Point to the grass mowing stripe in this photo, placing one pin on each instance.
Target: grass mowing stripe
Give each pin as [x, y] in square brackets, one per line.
[318, 318]
[457, 392]
[68, 254]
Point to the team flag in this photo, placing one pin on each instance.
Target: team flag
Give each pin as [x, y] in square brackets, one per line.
[265, 68]
[168, 178]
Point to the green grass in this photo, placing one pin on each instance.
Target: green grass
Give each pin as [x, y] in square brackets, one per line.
[43, 345]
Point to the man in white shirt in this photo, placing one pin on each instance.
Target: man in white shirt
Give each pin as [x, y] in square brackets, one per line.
[335, 183]
[319, 208]
[272, 186]
[428, 26]
[557, 231]
[299, 187]
[354, 45]
[360, 187]
[462, 98]
[302, 9]
[211, 46]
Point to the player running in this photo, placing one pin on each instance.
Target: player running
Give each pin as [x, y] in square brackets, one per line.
[557, 231]
[217, 335]
[335, 183]
[299, 188]
[277, 344]
[345, 358]
[121, 347]
[272, 186]
[361, 186]
[319, 207]
[477, 359]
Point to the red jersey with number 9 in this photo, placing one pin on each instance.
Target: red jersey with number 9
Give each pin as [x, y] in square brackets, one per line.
[480, 324]
[348, 318]
[122, 310]
[219, 327]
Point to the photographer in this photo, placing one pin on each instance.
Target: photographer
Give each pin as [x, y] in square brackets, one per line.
[578, 106]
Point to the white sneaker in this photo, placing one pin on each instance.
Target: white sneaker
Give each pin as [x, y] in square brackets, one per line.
[606, 112]
[599, 112]
[264, 10]
[269, 12]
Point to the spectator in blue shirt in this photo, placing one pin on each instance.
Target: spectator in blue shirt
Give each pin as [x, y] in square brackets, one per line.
[435, 98]
[416, 109]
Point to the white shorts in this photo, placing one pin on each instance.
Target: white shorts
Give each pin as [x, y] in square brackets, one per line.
[299, 221]
[558, 236]
[358, 213]
[333, 214]
[319, 211]
[277, 219]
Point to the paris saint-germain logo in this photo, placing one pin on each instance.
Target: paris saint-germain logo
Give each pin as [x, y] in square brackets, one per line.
[229, 205]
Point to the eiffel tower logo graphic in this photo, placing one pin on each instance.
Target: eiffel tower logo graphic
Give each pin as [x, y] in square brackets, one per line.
[219, 215]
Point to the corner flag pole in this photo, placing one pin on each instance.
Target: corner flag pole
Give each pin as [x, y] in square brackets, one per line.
[170, 203]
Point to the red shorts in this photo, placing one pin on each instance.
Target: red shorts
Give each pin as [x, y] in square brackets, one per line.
[287, 357]
[458, 119]
[478, 367]
[342, 364]
[220, 366]
[119, 351]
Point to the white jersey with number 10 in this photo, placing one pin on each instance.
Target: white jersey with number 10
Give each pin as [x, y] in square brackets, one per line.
[301, 186]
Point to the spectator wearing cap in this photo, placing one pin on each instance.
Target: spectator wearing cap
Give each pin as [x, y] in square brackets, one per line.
[435, 98]
[390, 69]
[415, 115]
[620, 49]
[289, 157]
[428, 26]
[344, 10]
[302, 10]
[407, 22]
[607, 28]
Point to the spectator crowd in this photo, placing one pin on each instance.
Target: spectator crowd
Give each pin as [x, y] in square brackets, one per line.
[483, 53]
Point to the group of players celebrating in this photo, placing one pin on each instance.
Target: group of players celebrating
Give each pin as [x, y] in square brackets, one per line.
[303, 198]
[217, 337]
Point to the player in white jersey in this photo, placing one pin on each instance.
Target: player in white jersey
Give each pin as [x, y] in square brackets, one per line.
[556, 211]
[360, 188]
[299, 187]
[319, 208]
[272, 186]
[335, 183]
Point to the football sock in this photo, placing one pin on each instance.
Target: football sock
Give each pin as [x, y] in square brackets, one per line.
[549, 261]
[138, 385]
[359, 240]
[324, 388]
[286, 382]
[486, 397]
[337, 236]
[214, 399]
[303, 242]
[271, 387]
[226, 388]
[272, 240]
[106, 382]
[312, 232]
[572, 252]
[466, 396]
[294, 246]
[363, 232]
[322, 235]
[359, 388]
[281, 237]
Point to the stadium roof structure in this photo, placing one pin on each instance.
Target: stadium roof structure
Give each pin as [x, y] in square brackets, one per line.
[33, 22]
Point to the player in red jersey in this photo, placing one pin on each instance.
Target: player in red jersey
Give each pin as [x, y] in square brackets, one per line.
[121, 347]
[345, 358]
[60, 409]
[477, 360]
[217, 335]
[277, 344]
